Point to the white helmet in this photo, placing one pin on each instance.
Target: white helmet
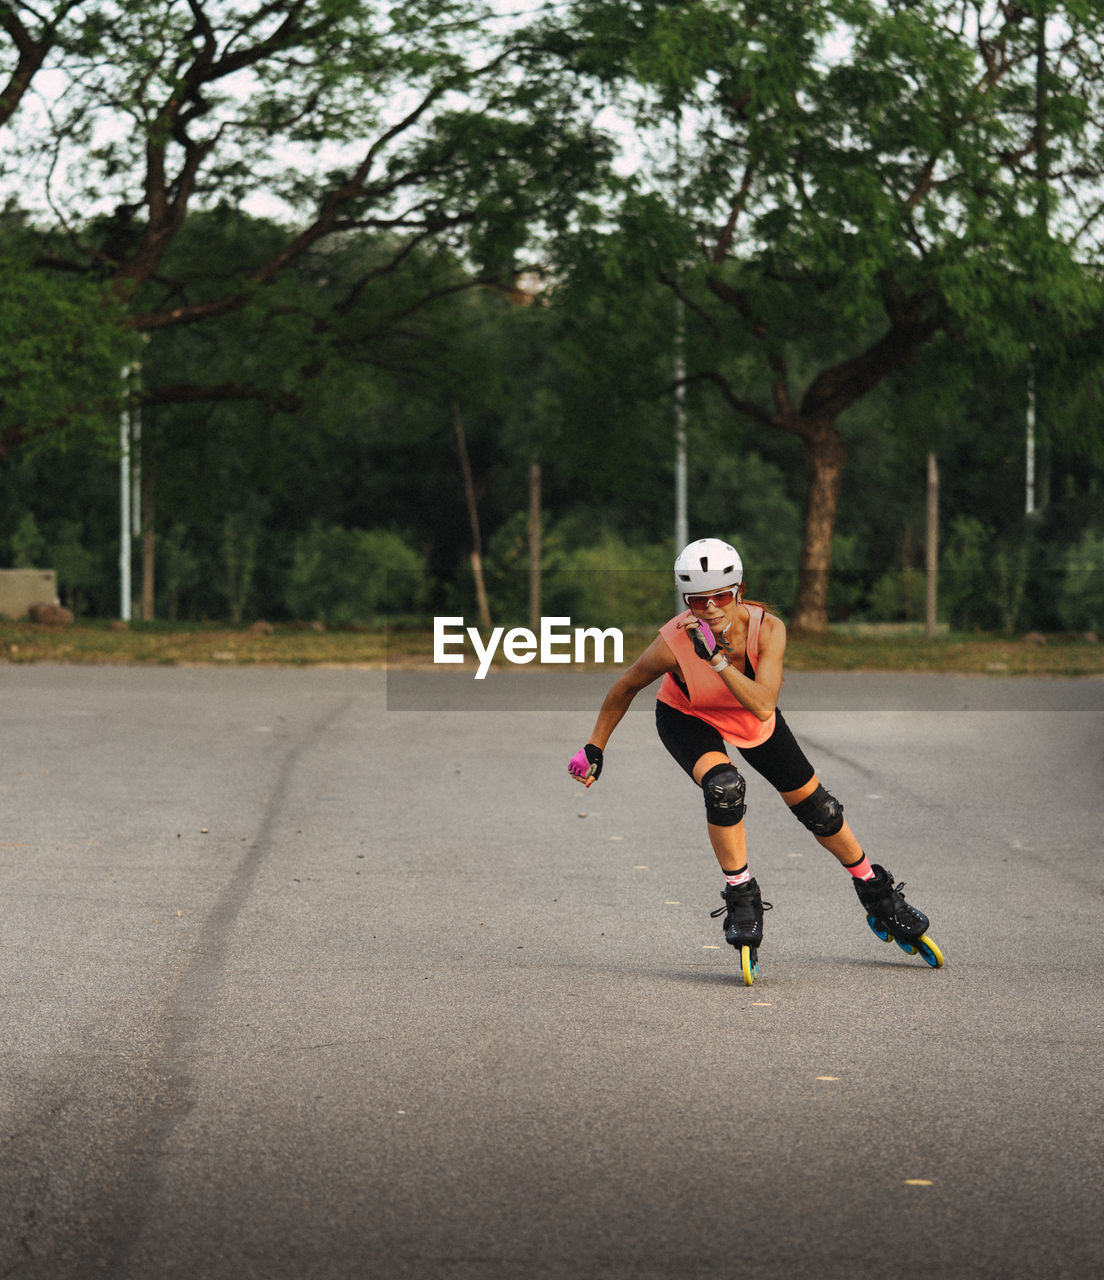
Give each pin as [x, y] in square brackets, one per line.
[707, 565]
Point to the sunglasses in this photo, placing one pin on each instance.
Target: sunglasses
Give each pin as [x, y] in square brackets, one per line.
[701, 603]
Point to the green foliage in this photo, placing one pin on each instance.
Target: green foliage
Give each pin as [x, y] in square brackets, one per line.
[79, 568]
[613, 584]
[984, 577]
[345, 576]
[62, 546]
[864, 179]
[63, 345]
[1010, 564]
[506, 571]
[1081, 593]
[965, 576]
[850, 570]
[898, 595]
[241, 535]
[179, 568]
[28, 547]
[875, 185]
[589, 573]
[746, 495]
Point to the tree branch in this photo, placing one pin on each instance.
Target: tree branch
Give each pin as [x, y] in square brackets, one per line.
[323, 225]
[747, 407]
[912, 322]
[724, 241]
[193, 393]
[739, 301]
[392, 264]
[672, 283]
[31, 53]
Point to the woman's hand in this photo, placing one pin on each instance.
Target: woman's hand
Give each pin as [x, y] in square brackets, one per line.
[705, 644]
[586, 764]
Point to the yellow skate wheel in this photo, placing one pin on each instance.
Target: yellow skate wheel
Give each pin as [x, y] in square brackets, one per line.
[749, 964]
[929, 952]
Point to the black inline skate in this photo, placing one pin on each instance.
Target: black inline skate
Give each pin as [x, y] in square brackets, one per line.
[743, 924]
[893, 919]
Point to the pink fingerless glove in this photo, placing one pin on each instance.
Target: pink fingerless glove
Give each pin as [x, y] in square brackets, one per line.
[586, 764]
[705, 646]
[707, 639]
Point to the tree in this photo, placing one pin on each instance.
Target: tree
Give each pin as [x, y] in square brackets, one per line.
[418, 122]
[856, 181]
[33, 36]
[420, 127]
[63, 342]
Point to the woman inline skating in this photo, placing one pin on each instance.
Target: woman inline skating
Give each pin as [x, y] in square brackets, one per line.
[720, 666]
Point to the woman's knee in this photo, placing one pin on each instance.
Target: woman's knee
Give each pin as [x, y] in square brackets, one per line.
[724, 789]
[820, 812]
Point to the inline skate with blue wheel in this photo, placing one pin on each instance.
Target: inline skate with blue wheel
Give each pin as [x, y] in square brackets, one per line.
[893, 919]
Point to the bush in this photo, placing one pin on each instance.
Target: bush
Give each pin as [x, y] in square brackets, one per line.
[78, 568]
[1081, 594]
[179, 569]
[506, 571]
[984, 577]
[61, 547]
[965, 575]
[603, 581]
[614, 584]
[343, 576]
[747, 496]
[28, 546]
[898, 596]
[848, 579]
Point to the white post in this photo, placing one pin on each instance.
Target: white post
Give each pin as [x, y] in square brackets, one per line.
[682, 523]
[1029, 472]
[124, 506]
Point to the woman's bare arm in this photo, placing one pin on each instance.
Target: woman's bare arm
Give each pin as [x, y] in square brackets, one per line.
[654, 662]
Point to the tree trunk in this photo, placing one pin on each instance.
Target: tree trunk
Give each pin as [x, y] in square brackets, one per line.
[931, 551]
[473, 516]
[825, 452]
[534, 546]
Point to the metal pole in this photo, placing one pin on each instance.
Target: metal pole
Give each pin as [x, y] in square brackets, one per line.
[682, 524]
[124, 506]
[682, 521]
[1029, 472]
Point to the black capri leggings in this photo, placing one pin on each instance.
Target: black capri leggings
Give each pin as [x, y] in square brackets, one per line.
[780, 760]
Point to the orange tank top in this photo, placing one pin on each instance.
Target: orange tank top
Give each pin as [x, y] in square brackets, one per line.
[710, 699]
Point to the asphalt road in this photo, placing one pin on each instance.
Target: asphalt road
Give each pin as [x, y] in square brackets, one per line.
[295, 985]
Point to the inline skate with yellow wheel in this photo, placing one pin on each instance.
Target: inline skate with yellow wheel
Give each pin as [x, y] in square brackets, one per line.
[743, 924]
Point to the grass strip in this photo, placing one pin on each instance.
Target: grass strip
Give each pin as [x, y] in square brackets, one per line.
[210, 644]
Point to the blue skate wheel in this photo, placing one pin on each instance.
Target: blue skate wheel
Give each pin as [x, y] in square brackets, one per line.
[749, 964]
[929, 952]
[878, 928]
[907, 947]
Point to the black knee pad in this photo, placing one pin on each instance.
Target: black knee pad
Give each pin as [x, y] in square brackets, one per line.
[724, 790]
[821, 813]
